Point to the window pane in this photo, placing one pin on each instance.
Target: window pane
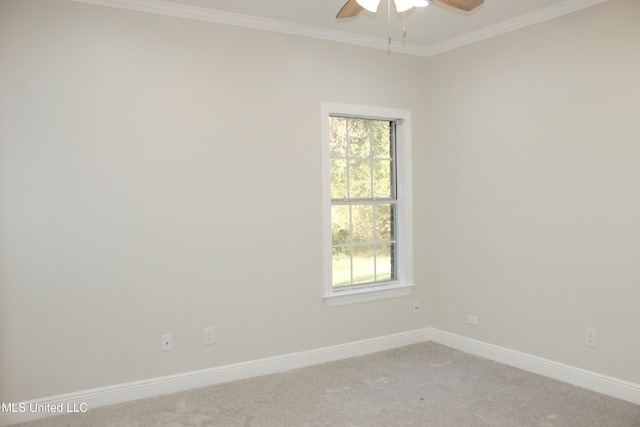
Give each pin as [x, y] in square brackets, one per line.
[385, 223]
[359, 140]
[363, 210]
[385, 262]
[338, 137]
[363, 264]
[362, 223]
[339, 179]
[381, 139]
[359, 179]
[340, 225]
[341, 266]
[382, 181]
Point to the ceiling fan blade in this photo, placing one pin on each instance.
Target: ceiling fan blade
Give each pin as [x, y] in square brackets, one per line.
[349, 10]
[466, 5]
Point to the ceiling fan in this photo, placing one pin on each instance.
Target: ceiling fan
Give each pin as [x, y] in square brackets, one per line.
[354, 7]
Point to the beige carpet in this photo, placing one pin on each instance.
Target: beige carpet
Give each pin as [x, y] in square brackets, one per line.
[419, 385]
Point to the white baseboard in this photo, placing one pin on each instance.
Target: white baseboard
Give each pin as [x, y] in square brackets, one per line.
[174, 383]
[603, 384]
[120, 393]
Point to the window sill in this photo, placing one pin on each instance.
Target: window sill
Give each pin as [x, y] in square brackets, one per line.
[368, 294]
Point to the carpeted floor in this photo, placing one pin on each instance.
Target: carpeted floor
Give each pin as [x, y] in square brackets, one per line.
[419, 385]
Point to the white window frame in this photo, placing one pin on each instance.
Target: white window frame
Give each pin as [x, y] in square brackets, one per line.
[404, 231]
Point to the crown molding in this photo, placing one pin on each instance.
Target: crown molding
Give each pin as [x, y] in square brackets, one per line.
[228, 18]
[221, 17]
[566, 7]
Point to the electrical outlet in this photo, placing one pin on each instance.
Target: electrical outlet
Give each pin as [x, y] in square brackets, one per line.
[167, 342]
[590, 337]
[209, 338]
[472, 319]
[416, 308]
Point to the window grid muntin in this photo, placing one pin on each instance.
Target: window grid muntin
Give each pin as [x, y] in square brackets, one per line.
[373, 201]
[376, 243]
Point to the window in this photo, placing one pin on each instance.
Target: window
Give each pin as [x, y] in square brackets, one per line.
[367, 203]
[362, 168]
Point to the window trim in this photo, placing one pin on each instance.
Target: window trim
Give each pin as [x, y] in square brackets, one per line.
[404, 233]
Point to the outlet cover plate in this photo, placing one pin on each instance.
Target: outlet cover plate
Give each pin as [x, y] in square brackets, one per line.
[416, 308]
[167, 342]
[590, 337]
[209, 337]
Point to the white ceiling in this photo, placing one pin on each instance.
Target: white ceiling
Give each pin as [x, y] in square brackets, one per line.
[430, 30]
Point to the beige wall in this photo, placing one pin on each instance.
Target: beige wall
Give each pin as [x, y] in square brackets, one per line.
[162, 175]
[532, 171]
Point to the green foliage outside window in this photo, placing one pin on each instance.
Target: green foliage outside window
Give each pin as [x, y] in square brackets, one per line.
[363, 200]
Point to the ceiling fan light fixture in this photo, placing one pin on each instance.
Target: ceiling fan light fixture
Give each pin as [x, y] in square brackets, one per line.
[370, 5]
[403, 5]
[421, 3]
